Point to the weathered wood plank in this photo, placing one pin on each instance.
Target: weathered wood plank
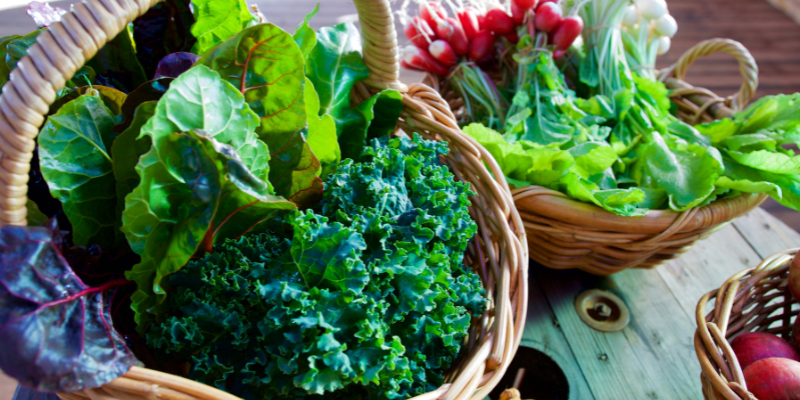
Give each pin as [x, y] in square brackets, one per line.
[765, 233]
[543, 333]
[650, 359]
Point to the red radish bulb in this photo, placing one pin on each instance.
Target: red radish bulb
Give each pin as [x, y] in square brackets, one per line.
[426, 12]
[481, 45]
[567, 31]
[794, 278]
[458, 39]
[524, 4]
[499, 22]
[558, 54]
[548, 17]
[750, 347]
[419, 33]
[421, 59]
[517, 14]
[443, 52]
[531, 22]
[444, 29]
[481, 22]
[469, 22]
[773, 379]
[405, 65]
[513, 37]
[543, 2]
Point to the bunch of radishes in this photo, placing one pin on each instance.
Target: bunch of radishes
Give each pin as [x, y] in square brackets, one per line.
[770, 364]
[653, 16]
[439, 41]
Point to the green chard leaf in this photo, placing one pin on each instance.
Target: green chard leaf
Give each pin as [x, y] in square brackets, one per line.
[148, 91]
[112, 98]
[266, 65]
[203, 179]
[4, 70]
[217, 21]
[116, 64]
[304, 36]
[76, 162]
[16, 47]
[321, 137]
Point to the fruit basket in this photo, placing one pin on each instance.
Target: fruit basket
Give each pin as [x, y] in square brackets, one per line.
[571, 227]
[754, 300]
[498, 251]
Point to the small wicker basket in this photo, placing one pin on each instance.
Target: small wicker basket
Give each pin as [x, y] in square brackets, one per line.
[564, 233]
[499, 251]
[756, 299]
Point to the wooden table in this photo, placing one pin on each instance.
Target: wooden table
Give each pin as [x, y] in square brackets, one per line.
[653, 357]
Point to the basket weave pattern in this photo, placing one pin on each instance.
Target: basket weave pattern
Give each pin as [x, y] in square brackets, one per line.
[499, 253]
[756, 299]
[564, 233]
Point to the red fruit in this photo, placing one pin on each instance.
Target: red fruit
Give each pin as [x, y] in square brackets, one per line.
[443, 52]
[794, 278]
[558, 54]
[421, 59]
[531, 24]
[548, 16]
[444, 29]
[481, 45]
[405, 65]
[432, 7]
[419, 33]
[524, 4]
[513, 37]
[499, 22]
[517, 14]
[469, 22]
[481, 22]
[774, 379]
[567, 31]
[750, 347]
[542, 2]
[457, 38]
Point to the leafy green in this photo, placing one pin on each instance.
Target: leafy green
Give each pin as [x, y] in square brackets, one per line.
[370, 299]
[16, 47]
[75, 159]
[116, 64]
[321, 136]
[203, 179]
[304, 36]
[217, 21]
[4, 70]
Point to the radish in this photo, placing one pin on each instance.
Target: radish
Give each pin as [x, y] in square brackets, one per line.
[419, 33]
[405, 65]
[558, 54]
[443, 52]
[666, 26]
[481, 44]
[524, 4]
[543, 2]
[481, 22]
[632, 16]
[469, 22]
[568, 30]
[531, 24]
[517, 14]
[652, 9]
[663, 45]
[428, 9]
[450, 30]
[499, 22]
[420, 59]
[513, 37]
[548, 17]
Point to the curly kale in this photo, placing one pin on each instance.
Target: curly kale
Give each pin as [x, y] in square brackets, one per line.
[368, 298]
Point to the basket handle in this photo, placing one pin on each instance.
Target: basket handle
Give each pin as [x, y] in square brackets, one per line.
[747, 67]
[63, 48]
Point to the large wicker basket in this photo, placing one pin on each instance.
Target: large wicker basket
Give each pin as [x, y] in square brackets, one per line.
[499, 252]
[564, 233]
[756, 299]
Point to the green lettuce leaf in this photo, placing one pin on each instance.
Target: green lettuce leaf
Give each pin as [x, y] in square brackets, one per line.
[203, 179]
[549, 165]
[216, 21]
[686, 171]
[512, 158]
[769, 161]
[749, 142]
[719, 130]
[619, 201]
[76, 162]
[592, 158]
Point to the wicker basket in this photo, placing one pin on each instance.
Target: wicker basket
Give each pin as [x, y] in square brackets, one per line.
[564, 233]
[756, 299]
[499, 251]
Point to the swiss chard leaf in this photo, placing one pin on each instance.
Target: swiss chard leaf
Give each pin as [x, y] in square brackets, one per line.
[75, 158]
[373, 118]
[4, 70]
[321, 136]
[217, 21]
[148, 91]
[174, 64]
[266, 65]
[112, 98]
[206, 183]
[304, 36]
[17, 48]
[56, 331]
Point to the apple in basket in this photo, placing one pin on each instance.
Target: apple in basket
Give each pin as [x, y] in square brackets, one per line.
[750, 347]
[774, 379]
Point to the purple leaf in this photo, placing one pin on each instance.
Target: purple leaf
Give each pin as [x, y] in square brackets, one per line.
[43, 14]
[172, 65]
[56, 331]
